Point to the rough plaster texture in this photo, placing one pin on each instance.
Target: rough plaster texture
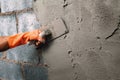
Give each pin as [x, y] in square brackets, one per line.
[90, 51]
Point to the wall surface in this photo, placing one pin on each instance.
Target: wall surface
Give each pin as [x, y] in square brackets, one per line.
[90, 51]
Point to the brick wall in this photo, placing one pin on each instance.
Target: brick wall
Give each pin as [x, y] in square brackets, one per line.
[23, 62]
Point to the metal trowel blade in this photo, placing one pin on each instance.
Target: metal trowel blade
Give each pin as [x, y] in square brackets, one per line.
[58, 28]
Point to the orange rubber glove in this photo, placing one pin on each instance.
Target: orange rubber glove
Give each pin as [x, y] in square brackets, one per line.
[23, 38]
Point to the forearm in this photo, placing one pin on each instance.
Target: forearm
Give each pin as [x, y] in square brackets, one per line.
[3, 43]
[8, 42]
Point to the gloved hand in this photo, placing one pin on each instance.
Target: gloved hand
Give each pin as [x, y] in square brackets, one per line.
[23, 38]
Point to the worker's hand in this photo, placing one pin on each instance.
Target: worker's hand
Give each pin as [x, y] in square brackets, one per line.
[23, 38]
[34, 35]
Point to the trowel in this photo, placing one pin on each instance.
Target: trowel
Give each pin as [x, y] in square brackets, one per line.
[54, 30]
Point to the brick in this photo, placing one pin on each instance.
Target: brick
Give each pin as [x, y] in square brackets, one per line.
[10, 71]
[7, 25]
[24, 53]
[27, 21]
[35, 73]
[0, 55]
[13, 5]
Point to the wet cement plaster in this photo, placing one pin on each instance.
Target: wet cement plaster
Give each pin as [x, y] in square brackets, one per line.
[90, 51]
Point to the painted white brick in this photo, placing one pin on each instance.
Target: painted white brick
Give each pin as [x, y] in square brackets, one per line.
[12, 5]
[7, 25]
[27, 21]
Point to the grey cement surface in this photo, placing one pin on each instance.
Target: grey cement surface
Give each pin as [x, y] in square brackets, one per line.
[90, 51]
